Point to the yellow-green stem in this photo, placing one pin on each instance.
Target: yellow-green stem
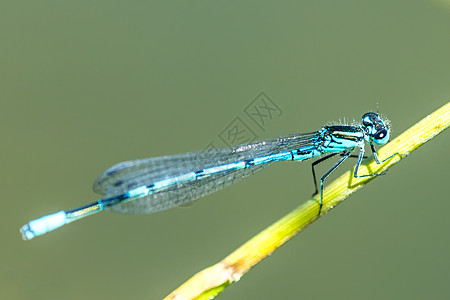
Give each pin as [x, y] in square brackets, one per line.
[209, 282]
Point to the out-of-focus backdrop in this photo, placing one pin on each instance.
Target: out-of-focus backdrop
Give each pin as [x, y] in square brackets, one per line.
[87, 84]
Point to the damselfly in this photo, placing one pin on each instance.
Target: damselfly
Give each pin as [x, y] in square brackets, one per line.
[155, 184]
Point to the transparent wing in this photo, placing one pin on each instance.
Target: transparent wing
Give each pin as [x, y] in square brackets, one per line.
[188, 192]
[131, 174]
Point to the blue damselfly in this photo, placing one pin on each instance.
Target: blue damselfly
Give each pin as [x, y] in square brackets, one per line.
[155, 184]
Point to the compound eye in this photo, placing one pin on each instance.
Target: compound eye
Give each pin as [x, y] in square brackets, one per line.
[368, 119]
[381, 137]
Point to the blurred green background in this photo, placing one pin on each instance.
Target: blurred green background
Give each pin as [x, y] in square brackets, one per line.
[87, 84]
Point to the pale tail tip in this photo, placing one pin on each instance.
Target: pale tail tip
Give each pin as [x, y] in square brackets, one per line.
[26, 233]
[43, 225]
